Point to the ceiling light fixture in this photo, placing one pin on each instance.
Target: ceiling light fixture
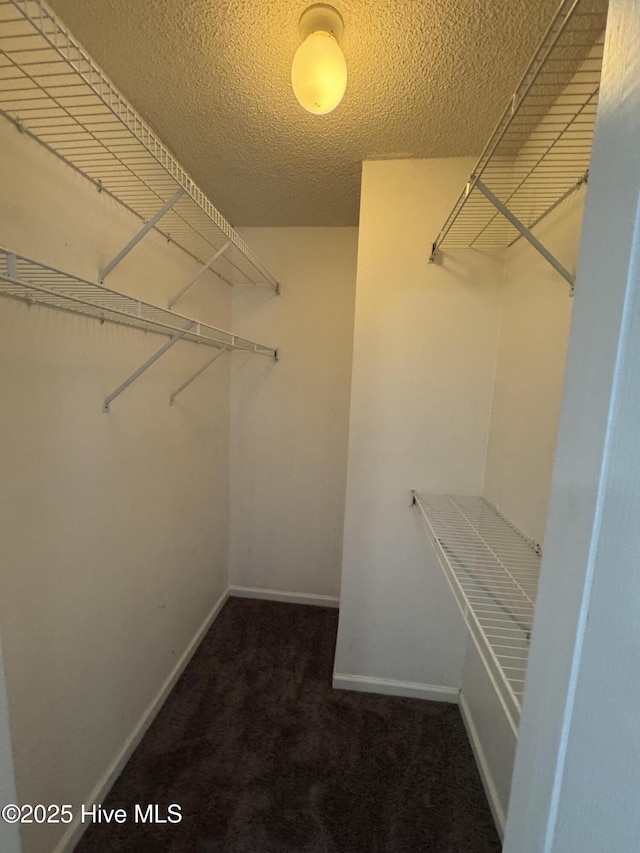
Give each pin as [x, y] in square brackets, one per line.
[319, 71]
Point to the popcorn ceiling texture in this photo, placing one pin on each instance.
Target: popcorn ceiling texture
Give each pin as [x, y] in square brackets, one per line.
[212, 77]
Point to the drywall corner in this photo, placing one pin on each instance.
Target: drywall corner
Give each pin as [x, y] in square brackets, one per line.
[423, 364]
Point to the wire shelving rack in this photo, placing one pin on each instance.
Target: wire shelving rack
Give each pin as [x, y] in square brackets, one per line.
[492, 570]
[51, 89]
[39, 284]
[540, 150]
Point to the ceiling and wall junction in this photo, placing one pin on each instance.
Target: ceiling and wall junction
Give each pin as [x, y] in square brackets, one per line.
[212, 77]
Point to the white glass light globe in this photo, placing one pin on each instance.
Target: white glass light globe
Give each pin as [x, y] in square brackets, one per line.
[319, 73]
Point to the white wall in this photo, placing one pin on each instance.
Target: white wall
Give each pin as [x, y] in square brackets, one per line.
[114, 526]
[290, 419]
[490, 731]
[534, 335]
[9, 833]
[576, 777]
[424, 356]
[457, 380]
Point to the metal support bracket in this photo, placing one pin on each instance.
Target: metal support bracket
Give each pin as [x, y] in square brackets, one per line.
[174, 340]
[12, 265]
[12, 273]
[141, 233]
[526, 233]
[196, 374]
[200, 272]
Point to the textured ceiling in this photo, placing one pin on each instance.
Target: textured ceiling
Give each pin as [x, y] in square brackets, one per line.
[212, 77]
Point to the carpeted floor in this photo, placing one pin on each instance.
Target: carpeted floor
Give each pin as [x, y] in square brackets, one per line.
[264, 757]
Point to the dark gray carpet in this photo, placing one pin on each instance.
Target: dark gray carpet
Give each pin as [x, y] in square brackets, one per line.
[264, 757]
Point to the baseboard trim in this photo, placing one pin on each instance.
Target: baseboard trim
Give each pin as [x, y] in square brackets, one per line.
[284, 595]
[76, 829]
[490, 789]
[388, 687]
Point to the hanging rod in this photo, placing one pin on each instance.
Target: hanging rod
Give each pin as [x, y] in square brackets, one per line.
[540, 149]
[51, 89]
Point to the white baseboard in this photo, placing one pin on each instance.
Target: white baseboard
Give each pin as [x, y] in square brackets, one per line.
[99, 793]
[280, 595]
[488, 783]
[409, 689]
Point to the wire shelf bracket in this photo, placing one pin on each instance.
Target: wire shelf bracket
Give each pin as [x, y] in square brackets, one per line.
[148, 226]
[54, 93]
[195, 375]
[539, 152]
[163, 349]
[526, 233]
[40, 284]
[492, 570]
[200, 272]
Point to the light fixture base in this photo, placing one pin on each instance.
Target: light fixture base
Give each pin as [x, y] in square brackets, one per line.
[321, 16]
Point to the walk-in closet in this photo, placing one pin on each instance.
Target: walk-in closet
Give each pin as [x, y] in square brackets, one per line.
[319, 530]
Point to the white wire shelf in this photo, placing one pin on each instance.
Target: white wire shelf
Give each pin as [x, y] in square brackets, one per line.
[540, 150]
[493, 571]
[36, 283]
[53, 91]
[39, 284]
